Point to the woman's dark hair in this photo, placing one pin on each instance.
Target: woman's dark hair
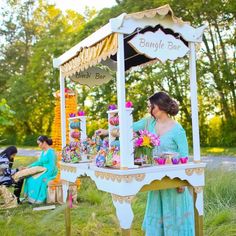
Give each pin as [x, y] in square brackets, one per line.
[165, 103]
[9, 151]
[44, 138]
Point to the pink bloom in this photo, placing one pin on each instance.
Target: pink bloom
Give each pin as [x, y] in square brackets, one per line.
[139, 142]
[154, 140]
[144, 132]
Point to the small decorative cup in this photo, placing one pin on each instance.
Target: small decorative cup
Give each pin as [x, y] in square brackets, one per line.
[112, 107]
[81, 113]
[175, 160]
[183, 160]
[72, 114]
[160, 160]
[128, 104]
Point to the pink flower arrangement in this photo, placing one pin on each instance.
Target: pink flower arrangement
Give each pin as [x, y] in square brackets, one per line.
[147, 139]
[144, 144]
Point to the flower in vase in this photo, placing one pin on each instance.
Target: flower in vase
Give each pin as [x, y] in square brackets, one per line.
[144, 144]
[139, 142]
[146, 141]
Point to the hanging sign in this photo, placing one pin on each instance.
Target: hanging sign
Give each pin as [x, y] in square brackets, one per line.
[159, 45]
[91, 77]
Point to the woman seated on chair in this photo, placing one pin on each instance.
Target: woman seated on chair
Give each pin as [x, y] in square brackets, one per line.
[6, 173]
[35, 188]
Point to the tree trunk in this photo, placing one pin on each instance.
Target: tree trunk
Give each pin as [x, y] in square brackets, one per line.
[217, 80]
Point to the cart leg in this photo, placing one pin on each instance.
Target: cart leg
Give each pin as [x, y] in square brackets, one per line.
[198, 210]
[67, 216]
[124, 212]
[65, 187]
[125, 232]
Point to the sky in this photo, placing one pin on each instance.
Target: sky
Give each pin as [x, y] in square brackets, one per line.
[79, 5]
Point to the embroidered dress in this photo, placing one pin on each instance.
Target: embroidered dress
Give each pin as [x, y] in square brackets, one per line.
[36, 188]
[168, 213]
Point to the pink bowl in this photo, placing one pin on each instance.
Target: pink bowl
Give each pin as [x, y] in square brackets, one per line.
[183, 160]
[160, 161]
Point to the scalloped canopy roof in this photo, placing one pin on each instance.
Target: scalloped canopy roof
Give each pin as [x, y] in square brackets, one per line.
[101, 46]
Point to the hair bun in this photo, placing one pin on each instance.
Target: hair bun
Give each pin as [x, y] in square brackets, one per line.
[173, 108]
[49, 141]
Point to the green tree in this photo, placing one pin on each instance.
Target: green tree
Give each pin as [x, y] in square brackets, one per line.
[30, 83]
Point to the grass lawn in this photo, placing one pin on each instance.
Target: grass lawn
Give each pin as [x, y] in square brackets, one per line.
[94, 214]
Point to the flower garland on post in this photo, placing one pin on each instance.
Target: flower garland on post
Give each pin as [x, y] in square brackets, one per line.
[71, 106]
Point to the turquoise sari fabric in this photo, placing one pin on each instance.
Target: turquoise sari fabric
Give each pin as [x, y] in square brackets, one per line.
[36, 188]
[168, 213]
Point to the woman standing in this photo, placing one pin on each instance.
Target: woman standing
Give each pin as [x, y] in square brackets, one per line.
[36, 188]
[169, 212]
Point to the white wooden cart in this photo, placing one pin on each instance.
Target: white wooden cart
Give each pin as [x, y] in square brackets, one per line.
[126, 41]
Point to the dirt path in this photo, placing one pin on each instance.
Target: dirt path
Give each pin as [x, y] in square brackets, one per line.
[225, 162]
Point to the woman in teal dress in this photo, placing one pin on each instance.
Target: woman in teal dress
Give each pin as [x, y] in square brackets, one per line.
[169, 212]
[35, 189]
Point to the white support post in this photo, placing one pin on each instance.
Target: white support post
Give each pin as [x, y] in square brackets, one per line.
[110, 127]
[126, 161]
[124, 214]
[130, 137]
[65, 187]
[83, 127]
[63, 110]
[194, 103]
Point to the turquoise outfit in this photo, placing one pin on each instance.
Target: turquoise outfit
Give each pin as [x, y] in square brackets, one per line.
[168, 213]
[36, 188]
